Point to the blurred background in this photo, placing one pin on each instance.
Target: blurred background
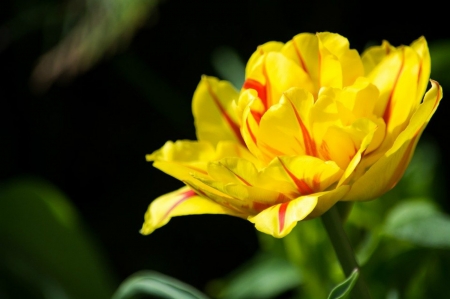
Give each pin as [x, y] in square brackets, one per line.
[88, 87]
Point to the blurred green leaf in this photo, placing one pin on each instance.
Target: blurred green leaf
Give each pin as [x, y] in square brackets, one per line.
[156, 285]
[44, 248]
[229, 65]
[419, 222]
[265, 276]
[343, 289]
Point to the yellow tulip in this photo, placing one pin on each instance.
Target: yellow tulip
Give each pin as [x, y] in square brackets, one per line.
[313, 124]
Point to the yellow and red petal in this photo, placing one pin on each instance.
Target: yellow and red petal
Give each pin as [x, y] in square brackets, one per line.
[397, 77]
[386, 171]
[306, 174]
[280, 219]
[260, 51]
[181, 202]
[284, 128]
[214, 116]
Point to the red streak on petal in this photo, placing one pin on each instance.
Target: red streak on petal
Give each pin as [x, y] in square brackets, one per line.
[184, 196]
[256, 115]
[282, 215]
[310, 145]
[300, 58]
[324, 151]
[250, 131]
[302, 186]
[316, 182]
[238, 176]
[260, 89]
[271, 150]
[234, 126]
[388, 110]
[197, 169]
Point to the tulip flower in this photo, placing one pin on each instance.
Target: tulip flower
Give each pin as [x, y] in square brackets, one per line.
[314, 123]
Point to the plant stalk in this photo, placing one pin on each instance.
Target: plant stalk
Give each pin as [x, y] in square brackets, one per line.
[333, 225]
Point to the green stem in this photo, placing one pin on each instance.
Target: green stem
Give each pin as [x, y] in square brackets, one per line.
[344, 252]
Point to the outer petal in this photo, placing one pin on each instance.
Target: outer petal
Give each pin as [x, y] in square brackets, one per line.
[303, 49]
[183, 157]
[260, 51]
[279, 220]
[397, 79]
[384, 174]
[184, 201]
[374, 55]
[214, 116]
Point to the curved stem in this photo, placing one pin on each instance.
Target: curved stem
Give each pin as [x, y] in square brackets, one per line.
[344, 252]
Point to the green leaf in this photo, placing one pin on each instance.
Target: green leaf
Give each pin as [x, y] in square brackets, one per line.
[265, 276]
[420, 223]
[44, 251]
[157, 285]
[343, 289]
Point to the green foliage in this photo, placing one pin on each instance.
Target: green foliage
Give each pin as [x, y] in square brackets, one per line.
[150, 284]
[45, 251]
[265, 276]
[343, 289]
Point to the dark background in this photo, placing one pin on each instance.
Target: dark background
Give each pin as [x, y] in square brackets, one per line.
[89, 134]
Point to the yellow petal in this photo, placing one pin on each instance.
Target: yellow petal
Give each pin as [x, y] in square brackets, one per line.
[273, 74]
[374, 55]
[260, 51]
[214, 116]
[305, 173]
[182, 202]
[384, 174]
[181, 158]
[350, 62]
[421, 47]
[279, 220]
[396, 78]
[303, 49]
[284, 128]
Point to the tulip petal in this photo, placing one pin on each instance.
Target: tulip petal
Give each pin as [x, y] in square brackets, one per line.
[181, 202]
[260, 51]
[396, 77]
[284, 128]
[179, 159]
[374, 55]
[384, 174]
[350, 63]
[214, 116]
[421, 47]
[280, 219]
[303, 49]
[273, 74]
[305, 173]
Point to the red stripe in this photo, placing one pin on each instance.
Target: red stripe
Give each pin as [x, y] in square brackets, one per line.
[260, 89]
[250, 131]
[231, 123]
[388, 110]
[302, 186]
[184, 196]
[282, 215]
[300, 57]
[310, 145]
